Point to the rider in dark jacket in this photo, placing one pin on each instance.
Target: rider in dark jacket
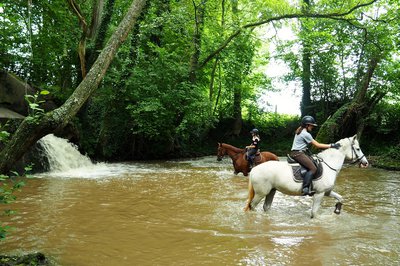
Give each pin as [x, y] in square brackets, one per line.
[253, 147]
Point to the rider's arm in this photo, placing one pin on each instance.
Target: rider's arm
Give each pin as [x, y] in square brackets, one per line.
[320, 145]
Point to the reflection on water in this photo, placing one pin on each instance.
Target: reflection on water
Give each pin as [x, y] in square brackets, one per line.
[190, 213]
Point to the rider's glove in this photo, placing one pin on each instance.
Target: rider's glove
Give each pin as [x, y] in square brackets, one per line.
[335, 145]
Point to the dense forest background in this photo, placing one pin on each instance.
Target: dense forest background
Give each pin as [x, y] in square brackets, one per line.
[191, 73]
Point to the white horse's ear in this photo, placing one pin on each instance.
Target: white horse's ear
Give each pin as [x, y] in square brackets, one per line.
[355, 136]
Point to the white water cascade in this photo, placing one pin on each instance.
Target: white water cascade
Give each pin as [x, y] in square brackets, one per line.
[63, 155]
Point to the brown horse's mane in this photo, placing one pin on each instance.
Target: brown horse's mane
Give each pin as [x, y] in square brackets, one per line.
[230, 147]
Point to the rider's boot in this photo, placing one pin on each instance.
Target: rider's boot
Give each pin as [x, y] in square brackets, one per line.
[251, 163]
[307, 184]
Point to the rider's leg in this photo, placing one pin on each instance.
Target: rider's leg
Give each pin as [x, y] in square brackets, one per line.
[251, 161]
[250, 157]
[306, 188]
[306, 161]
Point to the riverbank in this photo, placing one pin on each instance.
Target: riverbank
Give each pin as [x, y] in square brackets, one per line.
[384, 163]
[33, 259]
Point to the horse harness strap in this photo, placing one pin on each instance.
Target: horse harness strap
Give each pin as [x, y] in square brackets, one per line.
[330, 167]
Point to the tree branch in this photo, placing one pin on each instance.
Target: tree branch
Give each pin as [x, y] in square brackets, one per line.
[336, 16]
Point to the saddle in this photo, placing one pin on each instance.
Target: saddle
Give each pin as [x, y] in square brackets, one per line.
[257, 157]
[299, 171]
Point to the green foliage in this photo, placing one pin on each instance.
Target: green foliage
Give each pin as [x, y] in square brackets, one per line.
[147, 96]
[384, 118]
[34, 102]
[4, 135]
[38, 40]
[7, 188]
[341, 50]
[393, 153]
[276, 130]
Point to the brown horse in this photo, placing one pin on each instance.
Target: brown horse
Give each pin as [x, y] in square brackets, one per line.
[238, 156]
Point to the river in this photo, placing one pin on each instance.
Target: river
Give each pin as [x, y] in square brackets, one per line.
[189, 212]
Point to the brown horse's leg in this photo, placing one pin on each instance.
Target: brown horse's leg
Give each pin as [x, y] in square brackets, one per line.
[249, 197]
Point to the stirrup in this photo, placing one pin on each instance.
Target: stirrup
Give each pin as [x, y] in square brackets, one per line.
[307, 192]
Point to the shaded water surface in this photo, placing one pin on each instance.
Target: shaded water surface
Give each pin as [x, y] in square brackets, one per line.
[190, 213]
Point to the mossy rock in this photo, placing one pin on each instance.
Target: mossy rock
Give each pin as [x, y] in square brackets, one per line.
[33, 259]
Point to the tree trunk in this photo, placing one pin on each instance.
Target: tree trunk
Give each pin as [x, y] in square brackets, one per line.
[102, 32]
[237, 82]
[87, 32]
[237, 111]
[306, 65]
[349, 119]
[199, 25]
[32, 129]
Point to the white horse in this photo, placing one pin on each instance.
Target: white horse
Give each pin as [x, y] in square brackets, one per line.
[270, 176]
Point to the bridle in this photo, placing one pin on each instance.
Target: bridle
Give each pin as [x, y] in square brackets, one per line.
[354, 152]
[221, 153]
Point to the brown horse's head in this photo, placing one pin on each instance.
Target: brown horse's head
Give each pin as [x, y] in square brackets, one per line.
[220, 152]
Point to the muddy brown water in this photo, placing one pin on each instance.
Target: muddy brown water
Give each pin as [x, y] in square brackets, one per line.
[189, 212]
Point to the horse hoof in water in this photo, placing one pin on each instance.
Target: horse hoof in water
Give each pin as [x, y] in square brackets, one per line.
[338, 207]
[247, 207]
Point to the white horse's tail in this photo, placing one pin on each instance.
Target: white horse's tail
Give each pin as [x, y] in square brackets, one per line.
[250, 196]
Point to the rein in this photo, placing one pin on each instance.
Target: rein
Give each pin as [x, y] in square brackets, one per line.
[233, 157]
[330, 167]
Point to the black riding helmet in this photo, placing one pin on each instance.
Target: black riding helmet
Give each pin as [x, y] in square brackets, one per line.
[308, 120]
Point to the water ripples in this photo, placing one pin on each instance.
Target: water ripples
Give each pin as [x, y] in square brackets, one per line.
[190, 212]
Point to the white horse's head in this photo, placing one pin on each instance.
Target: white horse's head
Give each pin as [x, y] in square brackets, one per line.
[351, 149]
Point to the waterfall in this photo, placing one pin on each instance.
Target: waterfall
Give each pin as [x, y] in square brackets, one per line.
[63, 155]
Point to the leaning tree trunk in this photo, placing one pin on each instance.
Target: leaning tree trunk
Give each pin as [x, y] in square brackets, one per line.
[349, 119]
[31, 130]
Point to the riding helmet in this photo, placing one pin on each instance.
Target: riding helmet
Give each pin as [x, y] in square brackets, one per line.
[308, 120]
[255, 131]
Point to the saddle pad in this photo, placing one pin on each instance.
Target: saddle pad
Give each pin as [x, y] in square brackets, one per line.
[298, 177]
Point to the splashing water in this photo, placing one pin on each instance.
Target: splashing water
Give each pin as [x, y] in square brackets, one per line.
[63, 155]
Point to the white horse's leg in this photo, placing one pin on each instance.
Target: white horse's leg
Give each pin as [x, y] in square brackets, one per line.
[339, 203]
[268, 199]
[317, 198]
[257, 198]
